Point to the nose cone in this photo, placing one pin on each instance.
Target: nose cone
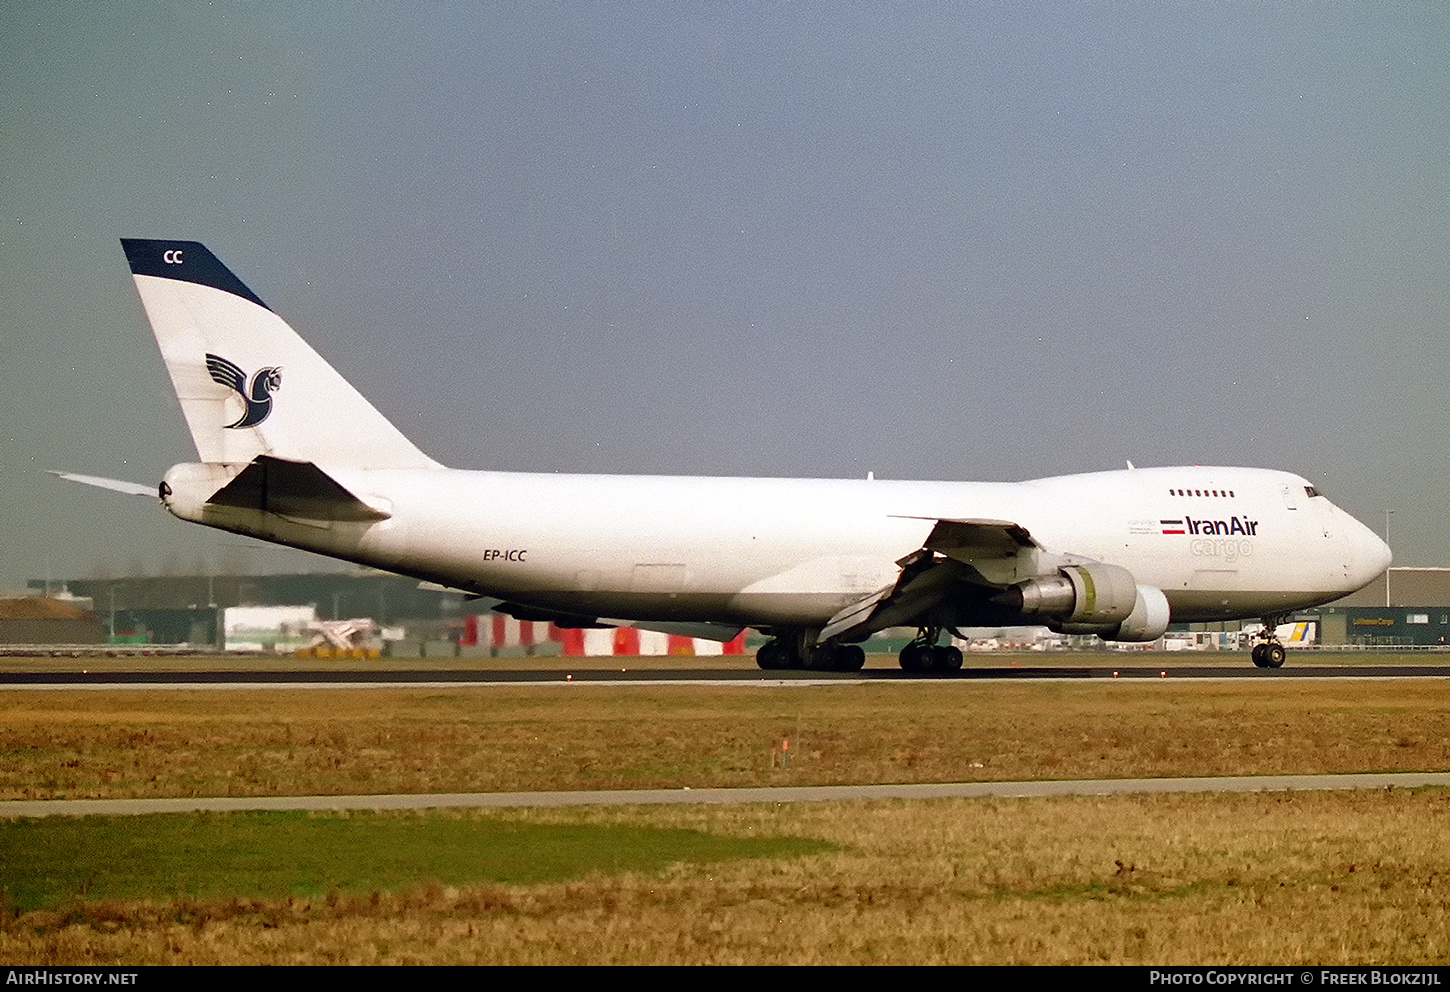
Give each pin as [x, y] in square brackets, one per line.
[1369, 556]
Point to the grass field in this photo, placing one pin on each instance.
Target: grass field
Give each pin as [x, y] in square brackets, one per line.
[1280, 878]
[267, 855]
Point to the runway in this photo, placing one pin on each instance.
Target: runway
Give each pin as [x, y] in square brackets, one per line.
[797, 794]
[591, 673]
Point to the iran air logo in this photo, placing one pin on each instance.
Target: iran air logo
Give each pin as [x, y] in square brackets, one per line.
[257, 397]
[1232, 527]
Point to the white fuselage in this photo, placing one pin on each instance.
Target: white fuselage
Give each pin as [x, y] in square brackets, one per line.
[290, 452]
[1220, 543]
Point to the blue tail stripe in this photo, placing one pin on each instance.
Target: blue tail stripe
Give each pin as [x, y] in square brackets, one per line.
[187, 261]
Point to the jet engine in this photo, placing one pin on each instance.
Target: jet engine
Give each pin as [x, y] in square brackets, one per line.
[1094, 598]
[1148, 620]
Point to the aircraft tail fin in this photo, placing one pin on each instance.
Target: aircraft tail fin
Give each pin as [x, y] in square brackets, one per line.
[248, 384]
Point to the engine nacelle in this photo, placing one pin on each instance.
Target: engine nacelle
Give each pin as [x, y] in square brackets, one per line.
[1148, 620]
[1095, 594]
[1094, 599]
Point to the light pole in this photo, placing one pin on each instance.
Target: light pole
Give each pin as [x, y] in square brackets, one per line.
[1387, 570]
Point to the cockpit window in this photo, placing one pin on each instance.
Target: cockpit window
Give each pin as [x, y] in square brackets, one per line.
[1311, 491]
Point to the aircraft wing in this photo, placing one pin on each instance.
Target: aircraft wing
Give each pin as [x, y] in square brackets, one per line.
[982, 552]
[979, 541]
[704, 631]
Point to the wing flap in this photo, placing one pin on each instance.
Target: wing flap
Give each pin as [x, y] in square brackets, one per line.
[858, 614]
[990, 552]
[968, 540]
[1000, 552]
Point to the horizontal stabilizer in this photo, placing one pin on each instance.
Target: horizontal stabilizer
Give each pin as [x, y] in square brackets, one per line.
[294, 489]
[117, 485]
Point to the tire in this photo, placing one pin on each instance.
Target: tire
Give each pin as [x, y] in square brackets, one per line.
[771, 656]
[916, 658]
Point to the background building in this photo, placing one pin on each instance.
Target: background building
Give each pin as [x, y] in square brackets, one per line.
[181, 609]
[426, 619]
[45, 620]
[1410, 607]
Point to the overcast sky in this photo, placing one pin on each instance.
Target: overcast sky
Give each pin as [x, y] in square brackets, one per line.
[966, 241]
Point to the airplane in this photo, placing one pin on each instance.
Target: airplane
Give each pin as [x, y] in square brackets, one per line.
[291, 453]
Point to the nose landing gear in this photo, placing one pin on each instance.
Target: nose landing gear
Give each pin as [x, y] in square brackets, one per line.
[1269, 653]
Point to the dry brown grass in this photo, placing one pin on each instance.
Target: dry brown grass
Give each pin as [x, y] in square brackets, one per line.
[144, 743]
[1285, 878]
[1239, 879]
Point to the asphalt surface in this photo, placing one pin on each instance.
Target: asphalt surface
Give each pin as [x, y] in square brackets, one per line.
[262, 676]
[631, 797]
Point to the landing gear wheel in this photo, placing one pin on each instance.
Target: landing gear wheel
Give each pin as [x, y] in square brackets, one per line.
[948, 658]
[824, 659]
[1268, 655]
[1269, 652]
[925, 655]
[798, 649]
[838, 658]
[850, 658]
[917, 657]
[773, 656]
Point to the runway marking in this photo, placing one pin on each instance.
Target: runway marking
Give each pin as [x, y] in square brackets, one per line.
[687, 796]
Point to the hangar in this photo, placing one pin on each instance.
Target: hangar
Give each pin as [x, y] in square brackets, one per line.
[1410, 608]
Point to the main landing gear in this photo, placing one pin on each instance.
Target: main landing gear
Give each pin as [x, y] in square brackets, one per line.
[1269, 653]
[924, 654]
[801, 651]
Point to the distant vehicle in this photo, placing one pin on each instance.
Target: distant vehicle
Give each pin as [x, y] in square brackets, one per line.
[359, 637]
[291, 453]
[1294, 634]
